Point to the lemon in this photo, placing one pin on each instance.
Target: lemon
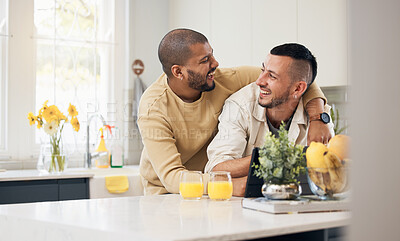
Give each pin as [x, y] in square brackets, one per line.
[315, 155]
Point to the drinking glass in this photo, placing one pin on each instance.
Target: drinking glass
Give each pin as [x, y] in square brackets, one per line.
[220, 186]
[191, 185]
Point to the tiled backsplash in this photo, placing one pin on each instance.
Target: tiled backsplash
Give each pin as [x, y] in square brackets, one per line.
[338, 99]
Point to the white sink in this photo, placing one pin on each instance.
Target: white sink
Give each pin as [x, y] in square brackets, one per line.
[97, 184]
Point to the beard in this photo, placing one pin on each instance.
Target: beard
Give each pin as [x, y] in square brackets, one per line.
[277, 101]
[199, 82]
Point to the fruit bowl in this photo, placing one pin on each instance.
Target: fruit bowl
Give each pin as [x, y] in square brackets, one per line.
[328, 183]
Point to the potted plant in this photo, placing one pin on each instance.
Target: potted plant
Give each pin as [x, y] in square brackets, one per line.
[281, 163]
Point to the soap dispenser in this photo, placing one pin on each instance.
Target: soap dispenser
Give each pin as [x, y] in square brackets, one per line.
[103, 161]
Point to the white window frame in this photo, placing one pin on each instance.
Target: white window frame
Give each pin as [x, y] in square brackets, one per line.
[20, 148]
[3, 79]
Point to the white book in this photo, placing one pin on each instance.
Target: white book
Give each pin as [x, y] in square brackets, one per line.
[301, 205]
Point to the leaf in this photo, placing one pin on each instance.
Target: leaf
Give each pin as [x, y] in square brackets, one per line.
[280, 159]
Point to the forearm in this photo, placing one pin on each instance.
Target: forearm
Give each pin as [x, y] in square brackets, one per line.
[237, 167]
[239, 186]
[318, 131]
[315, 106]
[161, 153]
[313, 92]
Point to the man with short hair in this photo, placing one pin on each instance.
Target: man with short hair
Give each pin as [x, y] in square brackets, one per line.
[250, 113]
[178, 114]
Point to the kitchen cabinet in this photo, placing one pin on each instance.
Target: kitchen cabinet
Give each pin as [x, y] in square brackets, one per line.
[22, 186]
[332, 234]
[322, 27]
[43, 190]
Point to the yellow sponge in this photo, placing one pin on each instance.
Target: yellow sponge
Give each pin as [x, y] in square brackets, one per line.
[117, 184]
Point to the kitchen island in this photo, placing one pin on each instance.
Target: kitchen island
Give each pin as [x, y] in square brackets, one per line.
[164, 217]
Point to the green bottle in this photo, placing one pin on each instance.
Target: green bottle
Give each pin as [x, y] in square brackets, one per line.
[117, 151]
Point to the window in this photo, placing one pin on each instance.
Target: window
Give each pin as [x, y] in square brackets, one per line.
[74, 49]
[64, 51]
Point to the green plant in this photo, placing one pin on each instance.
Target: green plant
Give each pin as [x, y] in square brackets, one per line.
[335, 120]
[281, 161]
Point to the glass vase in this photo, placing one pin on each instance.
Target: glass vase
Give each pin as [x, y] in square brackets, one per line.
[55, 163]
[52, 158]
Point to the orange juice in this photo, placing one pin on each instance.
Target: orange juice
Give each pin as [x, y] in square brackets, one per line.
[220, 190]
[191, 190]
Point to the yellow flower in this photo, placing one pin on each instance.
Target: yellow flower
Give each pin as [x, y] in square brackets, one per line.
[54, 118]
[43, 108]
[61, 116]
[51, 127]
[75, 124]
[72, 110]
[32, 118]
[50, 113]
[51, 118]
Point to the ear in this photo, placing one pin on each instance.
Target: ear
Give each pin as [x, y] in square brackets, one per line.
[299, 88]
[176, 71]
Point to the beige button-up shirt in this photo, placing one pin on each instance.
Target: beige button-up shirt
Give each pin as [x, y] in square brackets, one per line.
[243, 125]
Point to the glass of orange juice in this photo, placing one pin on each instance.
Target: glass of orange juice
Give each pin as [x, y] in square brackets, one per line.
[191, 185]
[220, 185]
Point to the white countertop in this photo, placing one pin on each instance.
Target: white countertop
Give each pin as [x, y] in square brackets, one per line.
[33, 174]
[25, 175]
[165, 217]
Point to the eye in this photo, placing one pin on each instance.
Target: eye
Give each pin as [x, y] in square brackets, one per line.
[204, 61]
[271, 76]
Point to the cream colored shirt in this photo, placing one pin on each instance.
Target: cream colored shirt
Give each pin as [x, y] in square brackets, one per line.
[176, 134]
[243, 125]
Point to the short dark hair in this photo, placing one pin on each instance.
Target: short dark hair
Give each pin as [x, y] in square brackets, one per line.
[175, 46]
[303, 55]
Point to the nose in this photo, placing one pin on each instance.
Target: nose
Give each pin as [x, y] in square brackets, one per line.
[261, 80]
[214, 62]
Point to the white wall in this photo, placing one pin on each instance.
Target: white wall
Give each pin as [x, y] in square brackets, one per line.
[374, 53]
[148, 23]
[243, 31]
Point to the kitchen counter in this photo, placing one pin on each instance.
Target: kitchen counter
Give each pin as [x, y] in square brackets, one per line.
[98, 183]
[165, 217]
[28, 175]
[96, 178]
[23, 186]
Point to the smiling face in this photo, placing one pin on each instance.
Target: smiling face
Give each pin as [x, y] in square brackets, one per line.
[200, 68]
[274, 81]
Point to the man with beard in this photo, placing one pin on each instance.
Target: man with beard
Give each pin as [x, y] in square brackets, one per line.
[178, 114]
[248, 114]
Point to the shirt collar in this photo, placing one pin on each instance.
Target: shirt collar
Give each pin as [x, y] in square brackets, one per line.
[299, 117]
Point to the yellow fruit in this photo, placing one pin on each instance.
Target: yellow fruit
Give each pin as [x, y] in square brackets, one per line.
[332, 160]
[340, 145]
[315, 155]
[336, 172]
[317, 178]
